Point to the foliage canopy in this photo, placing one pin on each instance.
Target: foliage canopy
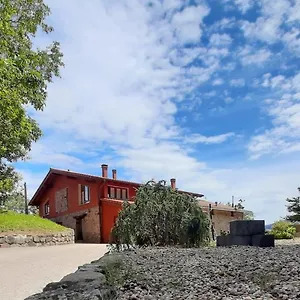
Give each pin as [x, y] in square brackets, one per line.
[25, 72]
[161, 216]
[293, 208]
[283, 230]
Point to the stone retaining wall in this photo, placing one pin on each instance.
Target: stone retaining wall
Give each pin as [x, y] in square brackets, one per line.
[23, 240]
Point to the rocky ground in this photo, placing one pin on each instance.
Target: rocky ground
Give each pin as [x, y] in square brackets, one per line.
[175, 273]
[213, 273]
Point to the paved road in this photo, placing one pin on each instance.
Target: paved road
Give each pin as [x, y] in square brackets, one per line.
[26, 270]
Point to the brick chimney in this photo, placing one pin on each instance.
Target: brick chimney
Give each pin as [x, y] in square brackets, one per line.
[173, 183]
[104, 170]
[114, 174]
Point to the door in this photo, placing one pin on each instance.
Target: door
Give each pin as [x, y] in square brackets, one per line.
[78, 231]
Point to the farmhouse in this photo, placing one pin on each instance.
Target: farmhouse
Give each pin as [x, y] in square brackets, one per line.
[90, 204]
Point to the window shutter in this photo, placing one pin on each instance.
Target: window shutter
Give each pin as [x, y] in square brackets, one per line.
[79, 194]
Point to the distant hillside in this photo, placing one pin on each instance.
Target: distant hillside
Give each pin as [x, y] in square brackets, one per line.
[269, 226]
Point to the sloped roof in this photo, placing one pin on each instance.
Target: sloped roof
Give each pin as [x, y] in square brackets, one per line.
[52, 172]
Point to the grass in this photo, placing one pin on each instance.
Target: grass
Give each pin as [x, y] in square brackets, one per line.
[11, 222]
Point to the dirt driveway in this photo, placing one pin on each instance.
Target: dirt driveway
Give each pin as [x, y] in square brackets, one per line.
[26, 270]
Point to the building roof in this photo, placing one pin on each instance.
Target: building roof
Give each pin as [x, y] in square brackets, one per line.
[217, 206]
[52, 172]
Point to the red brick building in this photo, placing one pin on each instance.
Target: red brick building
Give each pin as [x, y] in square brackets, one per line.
[90, 204]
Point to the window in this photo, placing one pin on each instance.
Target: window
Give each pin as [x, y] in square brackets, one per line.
[117, 193]
[84, 194]
[47, 208]
[111, 192]
[124, 194]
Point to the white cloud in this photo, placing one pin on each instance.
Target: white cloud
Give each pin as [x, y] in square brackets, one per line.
[223, 24]
[252, 56]
[220, 39]
[187, 23]
[218, 81]
[269, 26]
[244, 5]
[237, 82]
[284, 136]
[216, 139]
[292, 40]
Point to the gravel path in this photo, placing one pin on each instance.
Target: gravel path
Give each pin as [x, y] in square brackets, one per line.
[212, 273]
[26, 270]
[295, 241]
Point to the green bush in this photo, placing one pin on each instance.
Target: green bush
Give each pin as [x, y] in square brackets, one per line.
[161, 216]
[283, 230]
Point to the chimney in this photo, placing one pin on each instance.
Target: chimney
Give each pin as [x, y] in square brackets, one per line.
[114, 174]
[173, 183]
[104, 170]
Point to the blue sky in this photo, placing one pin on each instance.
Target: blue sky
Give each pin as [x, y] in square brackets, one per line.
[204, 91]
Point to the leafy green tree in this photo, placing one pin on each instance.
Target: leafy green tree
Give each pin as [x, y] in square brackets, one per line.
[25, 72]
[248, 215]
[8, 182]
[283, 230]
[293, 208]
[161, 216]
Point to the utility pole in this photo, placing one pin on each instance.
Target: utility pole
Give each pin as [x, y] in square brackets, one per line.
[25, 197]
[232, 201]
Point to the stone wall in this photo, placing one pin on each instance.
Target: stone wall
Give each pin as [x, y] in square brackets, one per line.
[90, 223]
[23, 240]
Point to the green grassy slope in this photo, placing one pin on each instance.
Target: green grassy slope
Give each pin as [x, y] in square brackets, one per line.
[11, 222]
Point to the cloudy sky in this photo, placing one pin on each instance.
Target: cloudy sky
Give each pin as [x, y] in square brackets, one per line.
[204, 91]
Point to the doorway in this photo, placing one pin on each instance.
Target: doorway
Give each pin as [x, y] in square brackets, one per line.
[78, 231]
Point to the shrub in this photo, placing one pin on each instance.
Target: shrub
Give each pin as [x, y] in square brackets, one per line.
[161, 216]
[283, 230]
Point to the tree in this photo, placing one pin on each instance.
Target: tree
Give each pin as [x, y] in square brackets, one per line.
[283, 230]
[24, 74]
[294, 208]
[161, 216]
[248, 215]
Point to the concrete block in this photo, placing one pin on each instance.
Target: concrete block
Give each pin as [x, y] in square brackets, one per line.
[260, 240]
[241, 240]
[223, 241]
[247, 227]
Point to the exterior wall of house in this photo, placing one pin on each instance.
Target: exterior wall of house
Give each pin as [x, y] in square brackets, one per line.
[221, 219]
[55, 197]
[131, 188]
[110, 210]
[64, 204]
[90, 224]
